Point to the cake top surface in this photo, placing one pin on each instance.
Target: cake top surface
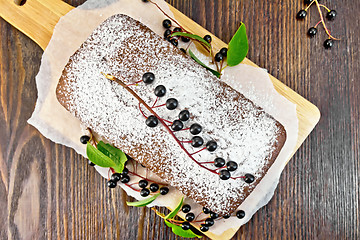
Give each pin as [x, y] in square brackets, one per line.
[125, 48]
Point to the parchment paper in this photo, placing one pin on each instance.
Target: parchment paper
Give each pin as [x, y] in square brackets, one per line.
[55, 123]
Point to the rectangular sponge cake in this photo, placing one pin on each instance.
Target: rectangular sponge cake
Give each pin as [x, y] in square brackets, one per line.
[243, 132]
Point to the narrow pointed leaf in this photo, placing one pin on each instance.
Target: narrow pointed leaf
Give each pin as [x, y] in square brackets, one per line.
[216, 73]
[176, 210]
[98, 158]
[181, 232]
[238, 47]
[191, 36]
[115, 154]
[144, 202]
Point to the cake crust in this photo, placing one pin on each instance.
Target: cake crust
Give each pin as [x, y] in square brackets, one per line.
[126, 49]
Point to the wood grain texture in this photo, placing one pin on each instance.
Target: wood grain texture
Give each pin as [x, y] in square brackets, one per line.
[47, 191]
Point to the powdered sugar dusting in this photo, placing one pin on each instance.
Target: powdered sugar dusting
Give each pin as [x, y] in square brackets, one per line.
[126, 49]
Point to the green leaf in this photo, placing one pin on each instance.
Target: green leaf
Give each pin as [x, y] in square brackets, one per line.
[181, 232]
[216, 73]
[144, 202]
[192, 36]
[238, 47]
[115, 154]
[98, 157]
[176, 210]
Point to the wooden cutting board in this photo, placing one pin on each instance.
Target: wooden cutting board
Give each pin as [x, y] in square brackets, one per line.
[37, 19]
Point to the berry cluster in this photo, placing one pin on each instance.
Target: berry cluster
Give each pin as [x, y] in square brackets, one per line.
[167, 34]
[207, 222]
[330, 15]
[124, 177]
[194, 129]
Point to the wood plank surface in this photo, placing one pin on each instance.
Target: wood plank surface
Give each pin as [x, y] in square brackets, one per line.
[47, 191]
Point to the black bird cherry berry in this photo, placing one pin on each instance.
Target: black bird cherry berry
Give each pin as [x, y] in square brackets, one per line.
[219, 57]
[214, 215]
[206, 210]
[145, 192]
[240, 214]
[209, 222]
[184, 115]
[231, 166]
[197, 141]
[211, 146]
[111, 184]
[151, 121]
[186, 208]
[189, 217]
[174, 42]
[91, 163]
[183, 50]
[301, 14]
[331, 15]
[204, 228]
[116, 177]
[167, 33]
[195, 128]
[177, 125]
[143, 183]
[125, 170]
[219, 162]
[160, 91]
[148, 77]
[164, 190]
[166, 23]
[125, 178]
[207, 38]
[226, 216]
[249, 178]
[312, 32]
[223, 51]
[177, 29]
[84, 139]
[307, 1]
[328, 43]
[154, 187]
[185, 39]
[185, 225]
[171, 103]
[224, 174]
[145, 1]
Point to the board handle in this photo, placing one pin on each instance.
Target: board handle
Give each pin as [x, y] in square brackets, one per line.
[35, 18]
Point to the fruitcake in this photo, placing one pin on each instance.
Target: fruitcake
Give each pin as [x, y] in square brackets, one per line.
[170, 114]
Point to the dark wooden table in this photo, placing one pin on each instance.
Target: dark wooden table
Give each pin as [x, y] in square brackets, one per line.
[48, 191]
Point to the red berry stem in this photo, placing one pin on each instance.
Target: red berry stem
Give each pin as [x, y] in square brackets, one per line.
[198, 151]
[186, 141]
[323, 22]
[207, 163]
[155, 102]
[121, 83]
[142, 111]
[135, 83]
[160, 105]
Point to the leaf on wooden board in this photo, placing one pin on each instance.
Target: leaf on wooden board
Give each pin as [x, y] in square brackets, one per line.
[238, 47]
[118, 156]
[144, 202]
[97, 157]
[191, 36]
[181, 232]
[192, 55]
[173, 213]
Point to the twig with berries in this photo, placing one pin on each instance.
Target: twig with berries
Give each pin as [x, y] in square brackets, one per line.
[177, 125]
[330, 15]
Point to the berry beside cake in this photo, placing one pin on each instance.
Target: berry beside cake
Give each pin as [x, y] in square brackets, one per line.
[170, 114]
